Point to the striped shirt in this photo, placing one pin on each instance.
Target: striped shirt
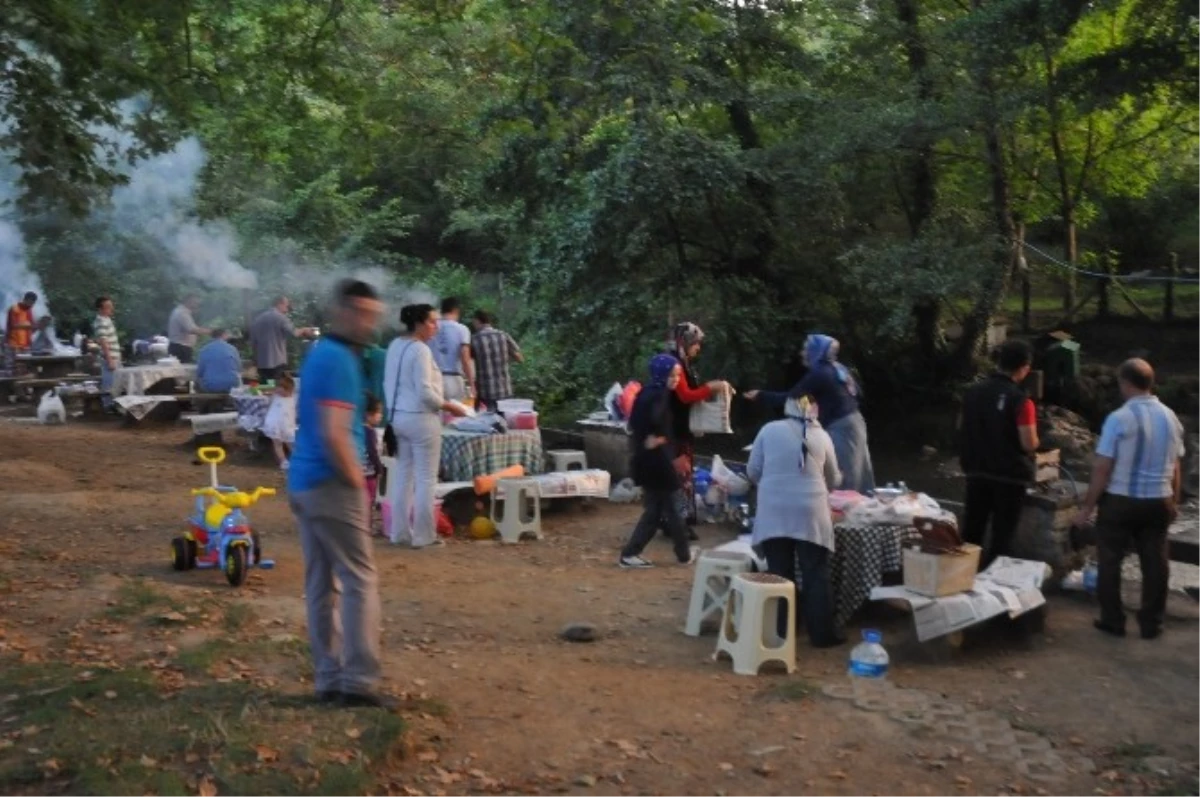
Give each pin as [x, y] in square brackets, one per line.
[1144, 438]
[103, 329]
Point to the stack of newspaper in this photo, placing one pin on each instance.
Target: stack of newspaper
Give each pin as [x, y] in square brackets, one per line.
[1007, 585]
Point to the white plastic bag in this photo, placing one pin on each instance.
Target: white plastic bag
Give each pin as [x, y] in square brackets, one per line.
[712, 416]
[626, 492]
[50, 409]
[734, 485]
[610, 401]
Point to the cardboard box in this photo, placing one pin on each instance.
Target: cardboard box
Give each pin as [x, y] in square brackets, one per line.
[935, 575]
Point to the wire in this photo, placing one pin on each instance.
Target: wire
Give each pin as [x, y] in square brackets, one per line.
[1114, 277]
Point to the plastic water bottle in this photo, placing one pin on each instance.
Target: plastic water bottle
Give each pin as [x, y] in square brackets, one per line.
[1091, 575]
[868, 666]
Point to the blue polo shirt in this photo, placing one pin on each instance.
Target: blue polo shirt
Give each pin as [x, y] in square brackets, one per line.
[332, 375]
[1144, 438]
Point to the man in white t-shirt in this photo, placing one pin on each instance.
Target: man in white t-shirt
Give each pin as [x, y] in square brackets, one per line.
[452, 353]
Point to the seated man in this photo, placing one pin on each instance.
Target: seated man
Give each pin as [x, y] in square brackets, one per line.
[218, 366]
[43, 341]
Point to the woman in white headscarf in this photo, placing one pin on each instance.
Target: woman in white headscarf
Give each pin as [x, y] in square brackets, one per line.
[794, 465]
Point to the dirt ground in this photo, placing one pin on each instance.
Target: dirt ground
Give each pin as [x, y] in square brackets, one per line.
[497, 703]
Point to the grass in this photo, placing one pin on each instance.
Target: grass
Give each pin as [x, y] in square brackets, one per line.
[238, 616]
[793, 690]
[1136, 749]
[114, 732]
[136, 597]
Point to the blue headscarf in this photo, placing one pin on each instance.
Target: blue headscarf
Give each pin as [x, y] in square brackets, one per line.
[820, 348]
[661, 366]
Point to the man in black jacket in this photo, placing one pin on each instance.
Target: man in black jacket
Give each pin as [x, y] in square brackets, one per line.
[998, 437]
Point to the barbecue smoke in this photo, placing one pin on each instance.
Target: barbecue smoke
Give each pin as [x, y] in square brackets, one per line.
[15, 277]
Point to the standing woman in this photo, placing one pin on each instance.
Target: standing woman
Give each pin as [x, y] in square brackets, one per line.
[686, 338]
[837, 394]
[793, 464]
[414, 387]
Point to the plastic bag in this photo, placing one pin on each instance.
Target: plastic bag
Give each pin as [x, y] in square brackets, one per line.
[712, 416]
[50, 409]
[610, 401]
[626, 492]
[734, 484]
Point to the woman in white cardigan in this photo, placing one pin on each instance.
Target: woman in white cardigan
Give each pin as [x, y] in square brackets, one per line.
[415, 401]
[794, 465]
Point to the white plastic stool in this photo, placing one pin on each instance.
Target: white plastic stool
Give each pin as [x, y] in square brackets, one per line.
[568, 460]
[714, 572]
[748, 626]
[522, 509]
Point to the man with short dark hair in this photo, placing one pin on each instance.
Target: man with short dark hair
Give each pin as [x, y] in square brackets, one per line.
[218, 366]
[1136, 482]
[104, 333]
[269, 334]
[494, 351]
[182, 329]
[998, 437]
[329, 499]
[18, 328]
[451, 346]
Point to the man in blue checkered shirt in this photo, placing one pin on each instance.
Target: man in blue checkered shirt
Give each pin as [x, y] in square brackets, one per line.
[494, 351]
[1136, 482]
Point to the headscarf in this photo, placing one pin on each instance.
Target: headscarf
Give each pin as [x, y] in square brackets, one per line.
[820, 348]
[661, 366]
[684, 336]
[803, 412]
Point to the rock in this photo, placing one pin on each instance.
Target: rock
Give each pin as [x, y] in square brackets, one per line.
[578, 632]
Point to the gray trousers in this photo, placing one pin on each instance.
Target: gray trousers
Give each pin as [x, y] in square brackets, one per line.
[454, 387]
[339, 560]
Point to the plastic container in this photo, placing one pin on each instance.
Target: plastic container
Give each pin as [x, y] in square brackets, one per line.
[868, 666]
[1091, 576]
[525, 421]
[508, 407]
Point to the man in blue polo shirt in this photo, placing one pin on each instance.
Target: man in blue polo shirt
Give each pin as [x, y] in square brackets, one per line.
[1136, 482]
[329, 499]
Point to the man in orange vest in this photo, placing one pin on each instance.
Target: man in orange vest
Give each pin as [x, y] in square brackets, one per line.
[19, 327]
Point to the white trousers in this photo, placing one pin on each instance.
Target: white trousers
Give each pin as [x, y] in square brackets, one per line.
[418, 455]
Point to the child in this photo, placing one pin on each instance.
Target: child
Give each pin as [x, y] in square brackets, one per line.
[373, 466]
[280, 423]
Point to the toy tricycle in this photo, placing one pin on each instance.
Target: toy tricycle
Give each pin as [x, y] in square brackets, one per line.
[221, 535]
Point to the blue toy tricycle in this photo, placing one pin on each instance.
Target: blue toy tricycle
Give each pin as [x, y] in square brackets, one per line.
[220, 534]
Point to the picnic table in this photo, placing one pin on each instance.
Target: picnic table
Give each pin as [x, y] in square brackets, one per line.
[466, 455]
[48, 366]
[861, 557]
[136, 380]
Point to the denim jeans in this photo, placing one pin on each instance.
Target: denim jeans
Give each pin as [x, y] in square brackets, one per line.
[786, 557]
[659, 506]
[106, 381]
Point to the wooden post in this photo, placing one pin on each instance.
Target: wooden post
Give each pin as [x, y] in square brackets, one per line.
[1169, 296]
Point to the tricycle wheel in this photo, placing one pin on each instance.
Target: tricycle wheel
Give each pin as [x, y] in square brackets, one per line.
[192, 550]
[179, 554]
[236, 565]
[256, 549]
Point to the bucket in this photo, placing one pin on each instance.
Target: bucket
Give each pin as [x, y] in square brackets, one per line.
[522, 421]
[508, 407]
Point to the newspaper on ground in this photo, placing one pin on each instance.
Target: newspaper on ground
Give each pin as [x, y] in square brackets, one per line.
[1008, 585]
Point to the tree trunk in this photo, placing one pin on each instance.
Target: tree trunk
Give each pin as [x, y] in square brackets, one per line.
[1066, 200]
[922, 179]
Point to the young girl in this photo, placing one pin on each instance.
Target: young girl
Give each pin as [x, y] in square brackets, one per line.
[373, 466]
[280, 423]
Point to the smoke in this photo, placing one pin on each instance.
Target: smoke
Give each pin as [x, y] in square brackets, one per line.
[15, 277]
[159, 201]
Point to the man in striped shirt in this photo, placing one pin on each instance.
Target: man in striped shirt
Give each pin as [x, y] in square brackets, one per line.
[104, 333]
[1136, 482]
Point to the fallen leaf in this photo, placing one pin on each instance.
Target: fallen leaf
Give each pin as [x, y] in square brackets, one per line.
[173, 617]
[837, 774]
[266, 754]
[207, 788]
[78, 705]
[50, 765]
[147, 761]
[110, 694]
[191, 758]
[353, 733]
[428, 756]
[30, 730]
[586, 780]
[962, 780]
[764, 770]
[1075, 740]
[725, 766]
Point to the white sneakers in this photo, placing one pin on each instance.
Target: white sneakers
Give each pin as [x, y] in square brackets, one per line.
[639, 563]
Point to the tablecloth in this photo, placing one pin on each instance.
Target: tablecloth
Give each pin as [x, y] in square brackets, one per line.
[251, 411]
[135, 380]
[465, 456]
[862, 554]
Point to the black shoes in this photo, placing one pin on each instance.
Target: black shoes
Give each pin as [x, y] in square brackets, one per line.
[1109, 629]
[332, 697]
[327, 696]
[1151, 632]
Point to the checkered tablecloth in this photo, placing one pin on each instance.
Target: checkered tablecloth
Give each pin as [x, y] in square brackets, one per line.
[465, 455]
[861, 555]
[251, 411]
[137, 379]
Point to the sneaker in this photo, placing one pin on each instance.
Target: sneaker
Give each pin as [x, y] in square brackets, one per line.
[634, 563]
[283, 466]
[693, 555]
